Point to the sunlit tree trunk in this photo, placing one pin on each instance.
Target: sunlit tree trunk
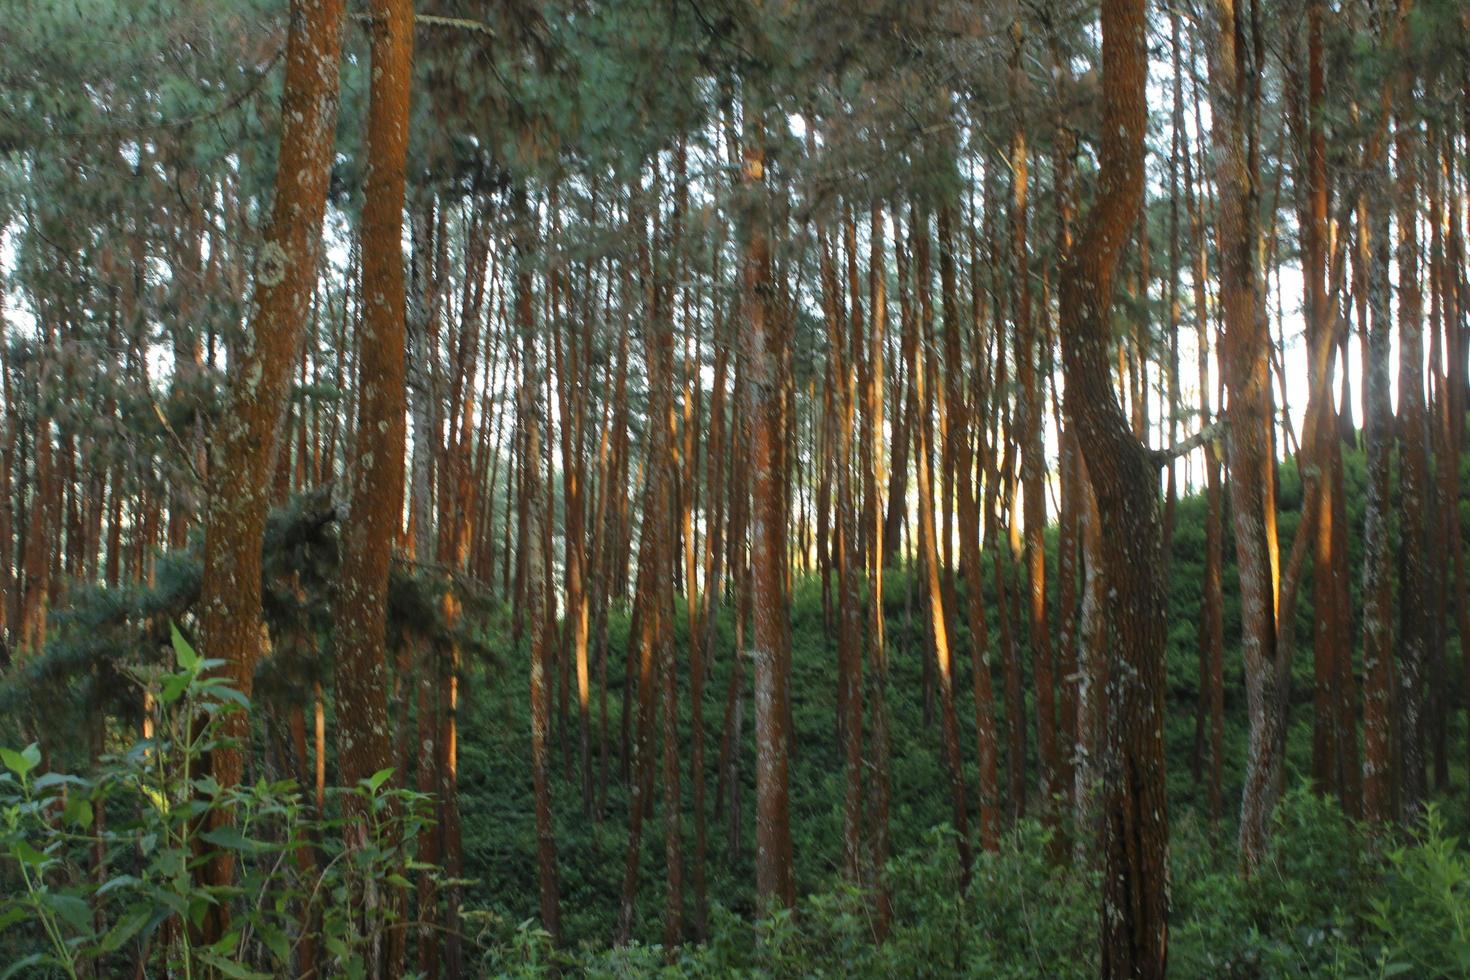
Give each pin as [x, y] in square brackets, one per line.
[933, 587]
[841, 372]
[873, 481]
[1327, 634]
[1247, 377]
[969, 446]
[1028, 426]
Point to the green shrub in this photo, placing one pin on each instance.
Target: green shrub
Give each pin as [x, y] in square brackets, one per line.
[105, 863]
[1420, 911]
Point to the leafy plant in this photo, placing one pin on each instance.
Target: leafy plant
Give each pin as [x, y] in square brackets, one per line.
[1422, 911]
[108, 862]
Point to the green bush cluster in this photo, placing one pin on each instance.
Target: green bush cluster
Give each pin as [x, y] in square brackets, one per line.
[1327, 903]
[102, 871]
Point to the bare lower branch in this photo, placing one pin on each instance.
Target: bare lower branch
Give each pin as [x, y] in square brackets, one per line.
[1209, 433]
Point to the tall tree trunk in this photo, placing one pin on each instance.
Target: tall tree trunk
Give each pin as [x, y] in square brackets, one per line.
[1134, 809]
[928, 545]
[1416, 543]
[1378, 769]
[376, 513]
[873, 479]
[532, 516]
[245, 440]
[1248, 379]
[1029, 426]
[773, 872]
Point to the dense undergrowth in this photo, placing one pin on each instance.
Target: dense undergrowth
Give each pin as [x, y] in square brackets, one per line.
[1329, 901]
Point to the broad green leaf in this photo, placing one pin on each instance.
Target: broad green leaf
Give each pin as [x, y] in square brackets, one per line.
[225, 946]
[131, 923]
[76, 912]
[11, 916]
[376, 780]
[231, 839]
[230, 968]
[48, 779]
[225, 693]
[198, 908]
[276, 941]
[78, 811]
[173, 688]
[21, 762]
[24, 852]
[188, 659]
[116, 882]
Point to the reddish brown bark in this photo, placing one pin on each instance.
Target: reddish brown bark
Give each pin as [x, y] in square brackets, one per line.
[873, 397]
[375, 517]
[930, 560]
[245, 443]
[774, 881]
[1133, 808]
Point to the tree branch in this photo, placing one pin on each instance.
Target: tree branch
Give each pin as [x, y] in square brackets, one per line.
[1209, 433]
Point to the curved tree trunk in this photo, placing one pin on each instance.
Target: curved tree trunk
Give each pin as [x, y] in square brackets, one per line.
[1133, 808]
[1247, 377]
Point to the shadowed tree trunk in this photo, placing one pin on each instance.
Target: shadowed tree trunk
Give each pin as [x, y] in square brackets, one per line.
[1132, 805]
[532, 516]
[245, 441]
[376, 508]
[1247, 377]
[1416, 544]
[774, 882]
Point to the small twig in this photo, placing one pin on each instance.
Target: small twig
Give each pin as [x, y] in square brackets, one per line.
[188, 456]
[434, 20]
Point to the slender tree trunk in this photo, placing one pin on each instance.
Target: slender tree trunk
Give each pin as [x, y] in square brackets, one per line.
[1416, 543]
[938, 624]
[1247, 377]
[873, 479]
[1378, 769]
[532, 516]
[774, 881]
[375, 518]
